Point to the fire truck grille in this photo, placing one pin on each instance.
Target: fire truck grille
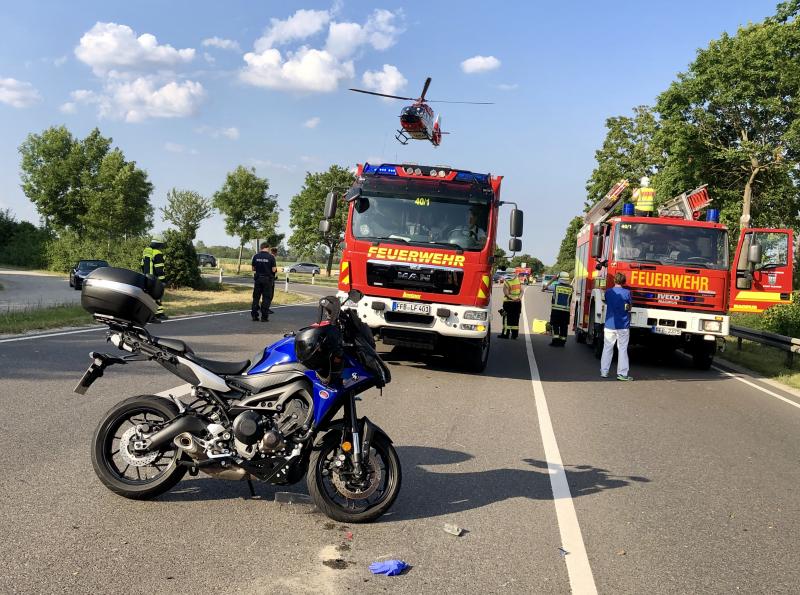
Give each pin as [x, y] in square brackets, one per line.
[668, 298]
[419, 278]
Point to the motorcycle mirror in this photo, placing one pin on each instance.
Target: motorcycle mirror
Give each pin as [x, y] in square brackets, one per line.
[354, 295]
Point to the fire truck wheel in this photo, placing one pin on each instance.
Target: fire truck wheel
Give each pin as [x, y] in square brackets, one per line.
[477, 355]
[703, 354]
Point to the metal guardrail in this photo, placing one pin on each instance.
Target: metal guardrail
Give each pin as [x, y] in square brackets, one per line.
[790, 345]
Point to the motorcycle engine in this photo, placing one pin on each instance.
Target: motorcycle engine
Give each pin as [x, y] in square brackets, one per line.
[259, 434]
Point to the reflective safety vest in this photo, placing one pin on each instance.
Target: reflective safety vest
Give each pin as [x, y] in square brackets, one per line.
[562, 297]
[153, 262]
[513, 288]
[643, 197]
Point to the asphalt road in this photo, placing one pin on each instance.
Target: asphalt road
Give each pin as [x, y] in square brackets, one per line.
[25, 289]
[682, 481]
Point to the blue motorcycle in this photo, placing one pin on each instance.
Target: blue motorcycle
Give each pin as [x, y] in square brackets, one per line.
[271, 420]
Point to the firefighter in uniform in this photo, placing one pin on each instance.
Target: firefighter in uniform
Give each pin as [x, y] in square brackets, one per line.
[559, 311]
[512, 307]
[643, 198]
[153, 264]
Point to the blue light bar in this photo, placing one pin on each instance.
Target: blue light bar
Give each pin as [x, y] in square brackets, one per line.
[468, 176]
[383, 170]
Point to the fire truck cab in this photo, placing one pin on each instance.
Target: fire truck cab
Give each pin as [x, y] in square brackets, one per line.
[677, 269]
[419, 244]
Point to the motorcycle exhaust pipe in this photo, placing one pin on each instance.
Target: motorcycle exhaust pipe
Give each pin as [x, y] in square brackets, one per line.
[188, 423]
[185, 442]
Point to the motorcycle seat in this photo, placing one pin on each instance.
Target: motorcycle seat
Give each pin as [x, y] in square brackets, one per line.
[173, 345]
[218, 367]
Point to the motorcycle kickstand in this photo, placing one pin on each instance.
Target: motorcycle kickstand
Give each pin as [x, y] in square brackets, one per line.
[252, 489]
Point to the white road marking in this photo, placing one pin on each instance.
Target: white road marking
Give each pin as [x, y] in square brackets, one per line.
[761, 388]
[177, 391]
[102, 328]
[581, 579]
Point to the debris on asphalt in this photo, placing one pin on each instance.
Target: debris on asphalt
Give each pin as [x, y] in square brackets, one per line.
[562, 551]
[388, 567]
[453, 529]
[297, 502]
[621, 552]
[337, 564]
[348, 535]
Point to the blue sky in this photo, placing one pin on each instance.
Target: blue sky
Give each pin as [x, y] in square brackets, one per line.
[191, 89]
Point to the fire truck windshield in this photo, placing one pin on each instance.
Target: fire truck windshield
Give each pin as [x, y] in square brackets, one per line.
[422, 220]
[673, 245]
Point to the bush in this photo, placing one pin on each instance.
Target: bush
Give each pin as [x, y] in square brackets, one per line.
[784, 319]
[64, 251]
[23, 244]
[180, 261]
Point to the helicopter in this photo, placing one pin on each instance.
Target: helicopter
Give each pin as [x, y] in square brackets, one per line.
[417, 120]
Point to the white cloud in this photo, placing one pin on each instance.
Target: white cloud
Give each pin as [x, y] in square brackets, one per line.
[309, 69]
[60, 61]
[109, 46]
[302, 24]
[312, 122]
[231, 132]
[480, 64]
[209, 58]
[305, 70]
[143, 98]
[507, 86]
[266, 163]
[70, 107]
[223, 44]
[18, 93]
[389, 80]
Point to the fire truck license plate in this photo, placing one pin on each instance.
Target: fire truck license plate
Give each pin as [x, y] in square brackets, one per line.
[411, 307]
[666, 330]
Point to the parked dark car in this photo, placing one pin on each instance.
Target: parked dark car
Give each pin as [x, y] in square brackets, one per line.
[206, 260]
[82, 269]
[302, 267]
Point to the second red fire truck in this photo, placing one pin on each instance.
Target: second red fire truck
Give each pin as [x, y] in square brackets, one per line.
[677, 269]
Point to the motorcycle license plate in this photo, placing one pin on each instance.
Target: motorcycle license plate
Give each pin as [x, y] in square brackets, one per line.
[666, 330]
[411, 307]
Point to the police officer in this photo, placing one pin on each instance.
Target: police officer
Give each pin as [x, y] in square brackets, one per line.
[153, 264]
[264, 269]
[559, 310]
[512, 307]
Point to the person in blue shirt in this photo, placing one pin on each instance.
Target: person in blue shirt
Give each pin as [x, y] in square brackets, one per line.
[618, 328]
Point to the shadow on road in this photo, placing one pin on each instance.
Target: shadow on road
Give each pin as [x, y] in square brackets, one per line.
[427, 493]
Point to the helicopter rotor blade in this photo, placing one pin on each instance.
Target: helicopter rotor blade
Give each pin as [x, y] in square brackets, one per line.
[425, 88]
[466, 102]
[383, 95]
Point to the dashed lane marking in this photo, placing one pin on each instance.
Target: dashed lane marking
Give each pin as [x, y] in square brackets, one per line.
[581, 579]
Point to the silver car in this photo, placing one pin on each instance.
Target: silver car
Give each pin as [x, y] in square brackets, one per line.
[303, 267]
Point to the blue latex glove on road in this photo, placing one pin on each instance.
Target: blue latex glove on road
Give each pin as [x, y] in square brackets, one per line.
[388, 567]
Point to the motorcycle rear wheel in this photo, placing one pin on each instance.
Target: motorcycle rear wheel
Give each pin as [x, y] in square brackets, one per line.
[329, 497]
[133, 474]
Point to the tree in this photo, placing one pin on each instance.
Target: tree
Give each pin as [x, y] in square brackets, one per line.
[566, 253]
[180, 260]
[732, 121]
[500, 259]
[537, 266]
[306, 211]
[84, 185]
[629, 151]
[249, 211]
[186, 210]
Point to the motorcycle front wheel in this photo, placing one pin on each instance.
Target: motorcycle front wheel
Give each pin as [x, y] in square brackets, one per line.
[124, 470]
[343, 498]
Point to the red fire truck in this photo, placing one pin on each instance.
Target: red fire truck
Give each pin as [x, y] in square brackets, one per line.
[419, 244]
[678, 272]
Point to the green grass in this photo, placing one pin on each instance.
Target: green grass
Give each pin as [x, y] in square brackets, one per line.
[176, 303]
[767, 361]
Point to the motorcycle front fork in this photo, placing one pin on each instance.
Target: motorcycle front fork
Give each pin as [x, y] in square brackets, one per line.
[351, 421]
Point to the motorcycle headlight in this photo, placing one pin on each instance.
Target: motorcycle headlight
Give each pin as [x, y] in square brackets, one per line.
[712, 326]
[475, 315]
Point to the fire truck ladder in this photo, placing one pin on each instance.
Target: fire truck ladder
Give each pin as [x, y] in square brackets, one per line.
[602, 209]
[687, 205]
